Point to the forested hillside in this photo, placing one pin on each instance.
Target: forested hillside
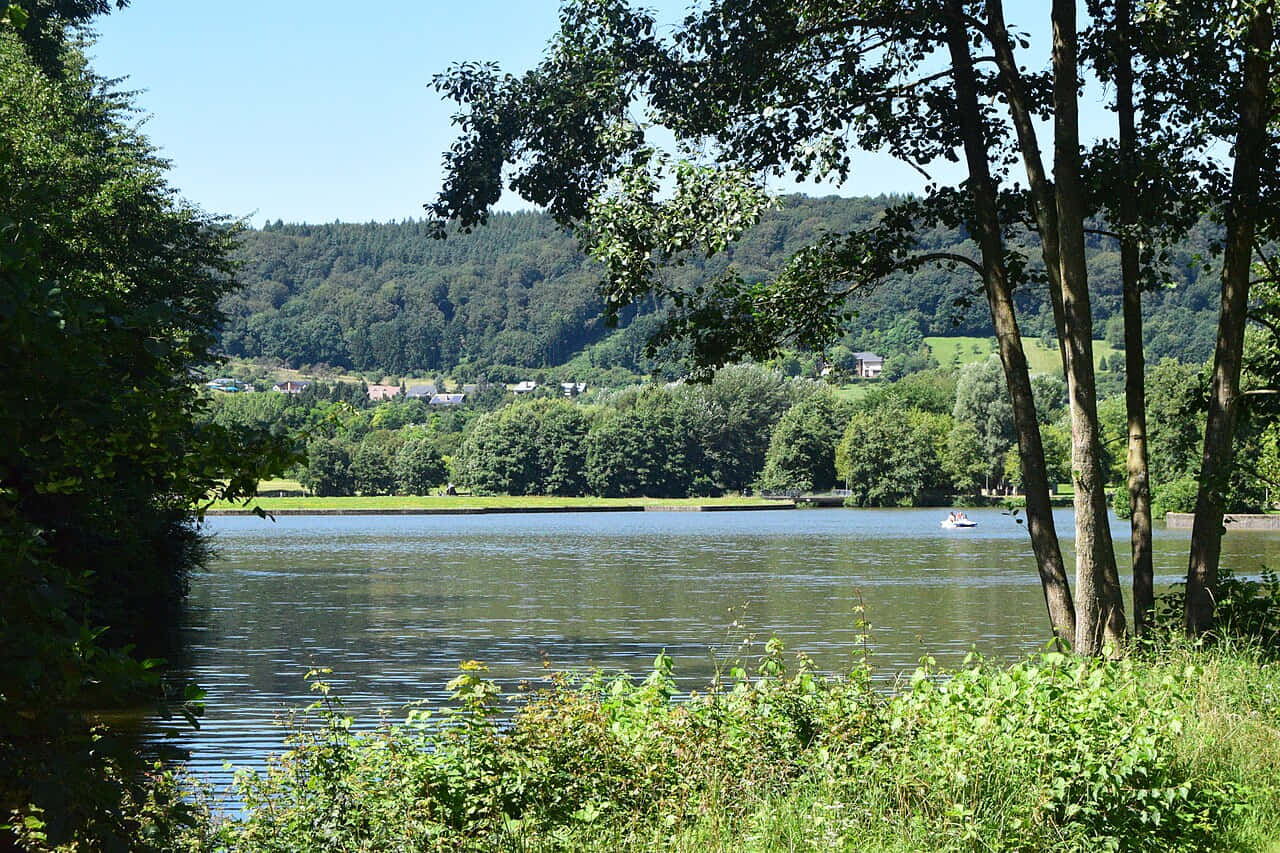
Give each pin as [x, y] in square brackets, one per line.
[518, 294]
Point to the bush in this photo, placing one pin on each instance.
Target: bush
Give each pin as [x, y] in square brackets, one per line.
[1176, 496]
[1120, 503]
[1054, 752]
[1247, 611]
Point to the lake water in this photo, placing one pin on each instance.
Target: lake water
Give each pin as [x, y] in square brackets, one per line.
[394, 603]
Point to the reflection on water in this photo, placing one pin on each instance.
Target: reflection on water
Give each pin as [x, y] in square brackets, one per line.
[393, 604]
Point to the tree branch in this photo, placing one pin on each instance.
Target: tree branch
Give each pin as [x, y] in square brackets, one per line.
[947, 256]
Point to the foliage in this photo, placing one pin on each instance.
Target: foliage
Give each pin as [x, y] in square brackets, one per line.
[982, 402]
[500, 452]
[929, 391]
[889, 456]
[1121, 504]
[1057, 457]
[964, 460]
[801, 455]
[734, 416]
[418, 467]
[328, 470]
[108, 304]
[519, 295]
[649, 448]
[1175, 496]
[373, 463]
[527, 448]
[699, 438]
[1175, 419]
[1247, 611]
[1048, 753]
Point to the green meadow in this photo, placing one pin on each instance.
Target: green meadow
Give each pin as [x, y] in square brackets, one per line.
[959, 351]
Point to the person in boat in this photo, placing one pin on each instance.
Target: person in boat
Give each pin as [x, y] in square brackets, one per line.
[960, 516]
[951, 517]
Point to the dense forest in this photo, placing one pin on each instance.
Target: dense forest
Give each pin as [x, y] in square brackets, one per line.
[519, 294]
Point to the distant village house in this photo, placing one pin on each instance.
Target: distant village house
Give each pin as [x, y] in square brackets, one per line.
[227, 385]
[383, 392]
[291, 386]
[524, 387]
[423, 392]
[868, 365]
[573, 389]
[446, 399]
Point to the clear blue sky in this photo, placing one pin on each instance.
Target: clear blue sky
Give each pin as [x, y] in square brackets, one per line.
[316, 111]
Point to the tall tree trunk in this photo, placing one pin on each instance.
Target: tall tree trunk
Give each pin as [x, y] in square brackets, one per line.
[1044, 536]
[1042, 201]
[1100, 616]
[1219, 432]
[1134, 360]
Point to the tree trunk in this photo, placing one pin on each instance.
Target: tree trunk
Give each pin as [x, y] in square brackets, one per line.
[1219, 432]
[1043, 205]
[1100, 619]
[1134, 361]
[1044, 536]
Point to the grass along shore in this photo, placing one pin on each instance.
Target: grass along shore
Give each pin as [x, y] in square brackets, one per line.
[460, 503]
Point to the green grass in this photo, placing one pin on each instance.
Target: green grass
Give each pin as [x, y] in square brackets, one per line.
[959, 351]
[401, 502]
[854, 391]
[279, 484]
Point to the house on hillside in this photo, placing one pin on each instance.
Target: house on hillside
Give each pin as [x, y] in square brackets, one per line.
[423, 392]
[868, 365]
[383, 392]
[573, 389]
[524, 387]
[446, 399]
[225, 384]
[291, 386]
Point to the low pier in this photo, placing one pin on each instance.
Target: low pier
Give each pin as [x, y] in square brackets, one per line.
[1232, 521]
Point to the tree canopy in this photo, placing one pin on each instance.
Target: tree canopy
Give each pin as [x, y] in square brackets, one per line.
[752, 88]
[109, 288]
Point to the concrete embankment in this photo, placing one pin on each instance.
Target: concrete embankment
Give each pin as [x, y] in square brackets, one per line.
[1232, 521]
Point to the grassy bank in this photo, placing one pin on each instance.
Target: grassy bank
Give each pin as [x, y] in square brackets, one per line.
[959, 351]
[403, 502]
[1178, 751]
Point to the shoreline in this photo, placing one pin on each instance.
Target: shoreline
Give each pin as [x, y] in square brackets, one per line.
[501, 510]
[1232, 521]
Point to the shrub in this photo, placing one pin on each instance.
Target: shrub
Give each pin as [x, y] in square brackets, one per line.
[1246, 611]
[1054, 752]
[1176, 496]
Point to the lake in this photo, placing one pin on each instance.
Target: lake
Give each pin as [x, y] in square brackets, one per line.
[394, 603]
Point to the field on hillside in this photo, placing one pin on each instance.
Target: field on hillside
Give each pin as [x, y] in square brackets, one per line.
[959, 351]
[855, 390]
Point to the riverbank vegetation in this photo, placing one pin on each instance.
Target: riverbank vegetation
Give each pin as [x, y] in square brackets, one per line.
[1169, 749]
[464, 502]
[109, 286]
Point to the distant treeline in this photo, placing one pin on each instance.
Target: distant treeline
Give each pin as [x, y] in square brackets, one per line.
[518, 294]
[932, 437]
